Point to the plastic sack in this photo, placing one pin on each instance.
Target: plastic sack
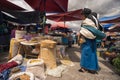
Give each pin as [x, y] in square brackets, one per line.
[56, 72]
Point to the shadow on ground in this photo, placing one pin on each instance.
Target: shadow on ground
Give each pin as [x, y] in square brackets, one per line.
[73, 53]
[110, 66]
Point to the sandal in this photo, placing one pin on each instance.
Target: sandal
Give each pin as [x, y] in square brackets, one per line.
[82, 70]
[93, 72]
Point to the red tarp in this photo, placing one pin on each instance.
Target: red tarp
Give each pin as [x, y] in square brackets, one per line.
[67, 16]
[51, 5]
[48, 5]
[59, 25]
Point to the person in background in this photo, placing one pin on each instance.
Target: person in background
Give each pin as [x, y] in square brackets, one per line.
[32, 30]
[70, 39]
[13, 32]
[89, 61]
[27, 36]
[74, 38]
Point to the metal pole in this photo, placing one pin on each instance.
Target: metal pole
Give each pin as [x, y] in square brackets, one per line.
[44, 17]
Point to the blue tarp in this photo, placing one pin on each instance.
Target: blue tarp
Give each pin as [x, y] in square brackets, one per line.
[109, 18]
[106, 26]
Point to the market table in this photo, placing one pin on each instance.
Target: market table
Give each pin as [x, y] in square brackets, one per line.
[27, 46]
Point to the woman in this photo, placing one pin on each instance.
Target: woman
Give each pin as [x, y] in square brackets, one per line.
[89, 30]
[13, 32]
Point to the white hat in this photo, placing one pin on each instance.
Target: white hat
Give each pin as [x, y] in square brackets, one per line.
[86, 33]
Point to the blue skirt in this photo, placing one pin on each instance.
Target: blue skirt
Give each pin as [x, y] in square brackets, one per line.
[88, 55]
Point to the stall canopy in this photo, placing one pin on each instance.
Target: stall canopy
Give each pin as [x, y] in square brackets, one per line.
[110, 19]
[67, 16]
[115, 28]
[49, 5]
[107, 26]
[23, 17]
[30, 11]
[102, 7]
[59, 25]
[31, 5]
[5, 5]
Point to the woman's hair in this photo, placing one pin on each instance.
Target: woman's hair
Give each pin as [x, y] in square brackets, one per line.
[86, 12]
[99, 25]
[94, 14]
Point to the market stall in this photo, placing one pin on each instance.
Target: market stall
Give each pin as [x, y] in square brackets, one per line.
[38, 52]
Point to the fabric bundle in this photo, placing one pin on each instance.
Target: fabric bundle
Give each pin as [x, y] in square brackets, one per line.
[99, 35]
[7, 66]
[90, 30]
[18, 59]
[4, 75]
[86, 33]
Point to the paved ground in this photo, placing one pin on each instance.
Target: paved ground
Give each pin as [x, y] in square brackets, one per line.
[71, 73]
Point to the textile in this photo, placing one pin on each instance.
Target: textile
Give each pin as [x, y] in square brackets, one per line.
[88, 55]
[86, 33]
[4, 75]
[99, 35]
[89, 22]
[18, 59]
[8, 65]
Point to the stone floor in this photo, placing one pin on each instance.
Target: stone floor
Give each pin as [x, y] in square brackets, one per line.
[107, 71]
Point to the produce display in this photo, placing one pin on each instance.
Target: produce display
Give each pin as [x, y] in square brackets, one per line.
[35, 61]
[22, 77]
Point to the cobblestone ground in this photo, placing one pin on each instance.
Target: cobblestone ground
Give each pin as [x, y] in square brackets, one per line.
[71, 73]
